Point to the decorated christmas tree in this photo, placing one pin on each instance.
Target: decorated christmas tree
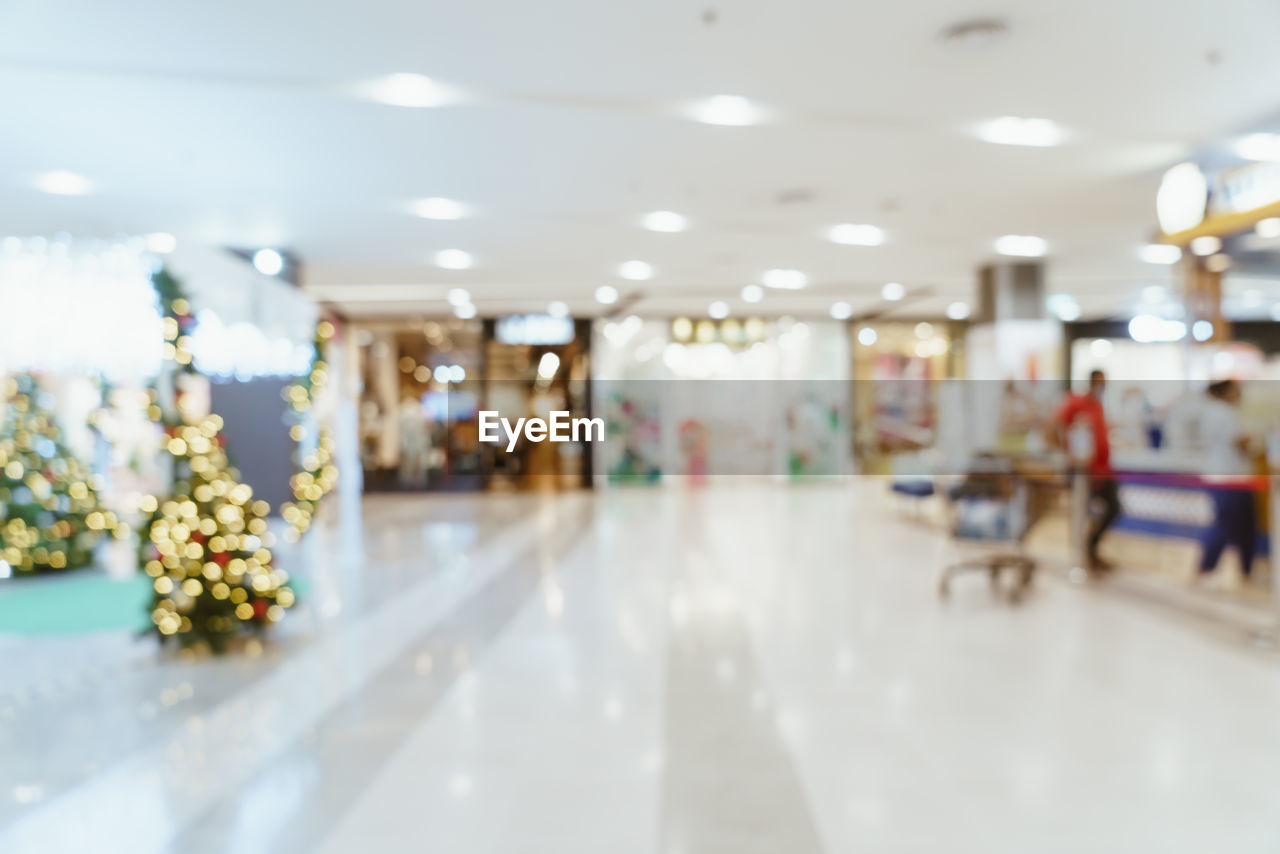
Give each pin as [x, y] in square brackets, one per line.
[50, 518]
[206, 547]
[317, 475]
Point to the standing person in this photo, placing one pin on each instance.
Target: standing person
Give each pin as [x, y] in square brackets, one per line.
[1084, 411]
[1227, 472]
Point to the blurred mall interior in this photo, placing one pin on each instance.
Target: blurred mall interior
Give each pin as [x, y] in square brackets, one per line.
[923, 368]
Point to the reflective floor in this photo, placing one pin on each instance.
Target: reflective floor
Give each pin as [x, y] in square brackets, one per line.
[740, 669]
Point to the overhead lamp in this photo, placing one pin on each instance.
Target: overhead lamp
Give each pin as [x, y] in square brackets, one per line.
[1206, 244]
[558, 308]
[1150, 329]
[458, 296]
[161, 242]
[853, 234]
[1012, 130]
[958, 310]
[893, 291]
[406, 89]
[1063, 306]
[465, 311]
[1160, 253]
[60, 182]
[454, 259]
[1202, 330]
[665, 221]
[606, 295]
[867, 336]
[727, 110]
[841, 310]
[1182, 197]
[1021, 245]
[752, 293]
[636, 271]
[548, 365]
[718, 309]
[790, 280]
[438, 208]
[1259, 146]
[268, 262]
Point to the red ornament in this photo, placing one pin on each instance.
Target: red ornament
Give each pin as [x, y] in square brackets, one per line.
[222, 558]
[260, 607]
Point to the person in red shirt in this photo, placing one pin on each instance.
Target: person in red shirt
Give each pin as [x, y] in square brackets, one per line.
[1085, 411]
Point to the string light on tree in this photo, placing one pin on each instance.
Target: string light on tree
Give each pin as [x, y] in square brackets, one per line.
[317, 475]
[50, 517]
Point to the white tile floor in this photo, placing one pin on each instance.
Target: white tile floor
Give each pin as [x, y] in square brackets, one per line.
[745, 669]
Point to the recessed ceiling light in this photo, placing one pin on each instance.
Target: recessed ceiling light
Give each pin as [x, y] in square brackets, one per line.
[636, 271]
[466, 311]
[867, 336]
[606, 295]
[893, 291]
[1268, 228]
[1160, 253]
[841, 310]
[161, 242]
[728, 110]
[958, 310]
[718, 309]
[1012, 130]
[1021, 245]
[454, 259]
[60, 182]
[437, 208]
[1063, 306]
[1206, 244]
[558, 308]
[666, 221]
[1259, 146]
[1202, 330]
[852, 234]
[458, 296]
[752, 293]
[790, 280]
[407, 90]
[268, 262]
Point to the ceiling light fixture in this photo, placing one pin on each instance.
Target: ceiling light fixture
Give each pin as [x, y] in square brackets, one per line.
[1012, 130]
[636, 271]
[728, 111]
[752, 293]
[1160, 253]
[789, 280]
[1259, 146]
[454, 259]
[841, 310]
[958, 310]
[853, 234]
[458, 296]
[268, 262]
[893, 291]
[406, 89]
[161, 243]
[438, 208]
[665, 221]
[606, 295]
[558, 308]
[60, 182]
[1021, 245]
[718, 309]
[1063, 306]
[466, 311]
[867, 336]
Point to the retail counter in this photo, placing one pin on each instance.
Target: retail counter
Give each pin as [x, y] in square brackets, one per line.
[1163, 495]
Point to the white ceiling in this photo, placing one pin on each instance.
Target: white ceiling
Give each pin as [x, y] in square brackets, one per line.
[232, 123]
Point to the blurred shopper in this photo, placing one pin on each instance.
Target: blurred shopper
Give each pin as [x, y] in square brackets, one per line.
[1227, 471]
[1081, 415]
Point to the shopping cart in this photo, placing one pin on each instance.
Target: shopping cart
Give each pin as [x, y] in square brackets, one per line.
[991, 511]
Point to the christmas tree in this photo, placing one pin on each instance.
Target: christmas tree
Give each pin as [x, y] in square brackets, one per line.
[50, 518]
[206, 547]
[317, 475]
